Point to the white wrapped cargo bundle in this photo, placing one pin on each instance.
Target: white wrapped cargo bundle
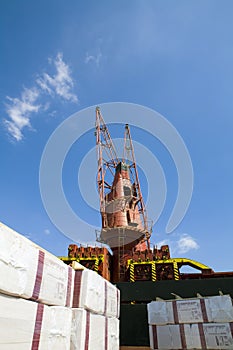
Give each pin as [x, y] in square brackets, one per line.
[209, 309]
[112, 300]
[92, 331]
[92, 292]
[113, 334]
[28, 271]
[27, 325]
[192, 336]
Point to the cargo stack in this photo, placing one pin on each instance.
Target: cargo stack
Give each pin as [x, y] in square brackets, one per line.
[46, 304]
[95, 312]
[200, 323]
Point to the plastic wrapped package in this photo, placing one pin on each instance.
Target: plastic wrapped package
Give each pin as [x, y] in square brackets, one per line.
[160, 312]
[89, 291]
[92, 331]
[192, 336]
[112, 300]
[59, 328]
[27, 325]
[189, 311]
[78, 329]
[28, 271]
[210, 309]
[165, 337]
[98, 335]
[57, 282]
[219, 308]
[113, 333]
[18, 263]
[92, 292]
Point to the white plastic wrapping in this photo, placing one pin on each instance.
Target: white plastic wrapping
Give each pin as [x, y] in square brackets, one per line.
[218, 335]
[192, 336]
[18, 263]
[59, 328]
[219, 308]
[165, 337]
[113, 333]
[160, 312]
[89, 291]
[98, 334]
[198, 310]
[17, 323]
[27, 325]
[92, 331]
[78, 329]
[92, 292]
[57, 282]
[28, 271]
[113, 300]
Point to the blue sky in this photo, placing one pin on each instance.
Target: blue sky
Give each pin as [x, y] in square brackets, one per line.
[176, 58]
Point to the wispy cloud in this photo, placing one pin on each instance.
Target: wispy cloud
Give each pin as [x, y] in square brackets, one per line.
[181, 244]
[20, 110]
[61, 83]
[163, 242]
[47, 231]
[186, 243]
[93, 58]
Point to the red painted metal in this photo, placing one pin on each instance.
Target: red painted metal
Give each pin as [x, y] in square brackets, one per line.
[124, 219]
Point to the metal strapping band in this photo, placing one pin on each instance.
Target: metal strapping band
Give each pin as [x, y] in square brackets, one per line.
[77, 288]
[155, 338]
[87, 335]
[182, 335]
[231, 326]
[175, 311]
[203, 309]
[69, 283]
[39, 274]
[105, 297]
[202, 336]
[106, 333]
[37, 328]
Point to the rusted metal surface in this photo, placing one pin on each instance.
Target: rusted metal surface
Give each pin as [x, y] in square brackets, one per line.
[125, 226]
[94, 258]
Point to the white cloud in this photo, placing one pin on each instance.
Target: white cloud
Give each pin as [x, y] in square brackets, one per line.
[179, 243]
[20, 110]
[53, 113]
[186, 243]
[47, 231]
[163, 242]
[91, 58]
[61, 83]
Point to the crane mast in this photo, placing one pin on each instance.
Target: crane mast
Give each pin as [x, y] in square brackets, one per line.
[123, 213]
[125, 227]
[129, 158]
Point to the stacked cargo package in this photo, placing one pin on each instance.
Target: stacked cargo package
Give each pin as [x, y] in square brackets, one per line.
[29, 272]
[201, 323]
[95, 313]
[37, 293]
[26, 324]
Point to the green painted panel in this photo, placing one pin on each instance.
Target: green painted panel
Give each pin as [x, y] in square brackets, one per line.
[134, 325]
[147, 291]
